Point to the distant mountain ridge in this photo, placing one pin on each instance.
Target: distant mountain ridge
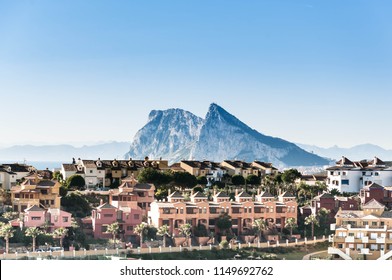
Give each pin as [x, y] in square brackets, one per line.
[359, 152]
[63, 152]
[176, 134]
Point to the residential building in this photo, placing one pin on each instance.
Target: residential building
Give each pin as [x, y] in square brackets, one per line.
[53, 217]
[35, 191]
[211, 170]
[312, 180]
[351, 177]
[106, 214]
[13, 173]
[265, 167]
[377, 192]
[330, 203]
[363, 234]
[244, 210]
[105, 173]
[133, 195]
[237, 167]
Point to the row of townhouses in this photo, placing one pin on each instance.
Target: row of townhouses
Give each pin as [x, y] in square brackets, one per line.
[105, 172]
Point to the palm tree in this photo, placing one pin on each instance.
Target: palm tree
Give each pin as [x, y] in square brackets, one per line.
[259, 226]
[164, 231]
[312, 220]
[7, 232]
[185, 230]
[33, 232]
[291, 224]
[60, 233]
[141, 230]
[113, 229]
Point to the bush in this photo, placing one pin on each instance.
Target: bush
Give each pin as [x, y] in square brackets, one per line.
[224, 244]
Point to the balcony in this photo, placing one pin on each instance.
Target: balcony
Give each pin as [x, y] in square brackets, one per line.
[380, 240]
[365, 239]
[349, 239]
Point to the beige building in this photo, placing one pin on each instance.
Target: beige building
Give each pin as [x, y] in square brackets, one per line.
[35, 191]
[363, 234]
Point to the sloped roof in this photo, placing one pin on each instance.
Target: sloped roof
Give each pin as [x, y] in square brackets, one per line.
[34, 208]
[199, 194]
[344, 161]
[373, 204]
[377, 161]
[244, 194]
[106, 206]
[287, 194]
[222, 194]
[176, 194]
[69, 167]
[266, 194]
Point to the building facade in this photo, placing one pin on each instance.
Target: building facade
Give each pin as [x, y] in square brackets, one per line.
[351, 177]
[363, 234]
[35, 191]
[243, 211]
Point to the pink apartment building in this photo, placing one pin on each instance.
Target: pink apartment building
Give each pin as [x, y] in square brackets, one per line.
[244, 210]
[107, 214]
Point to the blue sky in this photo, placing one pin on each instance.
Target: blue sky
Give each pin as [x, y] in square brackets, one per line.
[313, 72]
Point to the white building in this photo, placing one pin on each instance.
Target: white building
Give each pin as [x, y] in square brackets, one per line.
[11, 173]
[349, 176]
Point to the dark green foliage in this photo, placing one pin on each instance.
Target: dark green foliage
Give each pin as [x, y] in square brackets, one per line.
[76, 204]
[224, 223]
[76, 182]
[253, 180]
[200, 231]
[202, 180]
[184, 180]
[289, 176]
[63, 191]
[153, 176]
[238, 180]
[198, 189]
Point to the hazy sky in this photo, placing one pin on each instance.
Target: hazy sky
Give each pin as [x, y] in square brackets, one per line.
[313, 72]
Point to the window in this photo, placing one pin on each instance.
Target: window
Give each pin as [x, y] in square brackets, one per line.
[365, 223]
[91, 171]
[345, 182]
[250, 210]
[103, 229]
[52, 202]
[374, 224]
[344, 173]
[166, 211]
[44, 191]
[35, 218]
[136, 216]
[376, 174]
[129, 228]
[65, 219]
[382, 224]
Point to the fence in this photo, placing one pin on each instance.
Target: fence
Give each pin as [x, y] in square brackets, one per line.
[150, 250]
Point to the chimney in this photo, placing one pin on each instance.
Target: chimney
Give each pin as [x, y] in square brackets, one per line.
[100, 202]
[236, 192]
[214, 191]
[192, 192]
[258, 191]
[169, 193]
